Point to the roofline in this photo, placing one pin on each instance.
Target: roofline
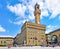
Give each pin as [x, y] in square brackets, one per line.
[6, 38]
[54, 30]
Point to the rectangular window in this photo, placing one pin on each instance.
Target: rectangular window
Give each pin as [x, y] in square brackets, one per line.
[1, 42]
[29, 41]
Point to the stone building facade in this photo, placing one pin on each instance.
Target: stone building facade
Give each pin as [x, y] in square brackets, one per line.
[54, 37]
[32, 34]
[6, 41]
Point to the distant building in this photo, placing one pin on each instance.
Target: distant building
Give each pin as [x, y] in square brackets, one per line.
[32, 34]
[54, 37]
[6, 41]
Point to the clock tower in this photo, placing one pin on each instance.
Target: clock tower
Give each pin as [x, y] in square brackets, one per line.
[32, 34]
[37, 13]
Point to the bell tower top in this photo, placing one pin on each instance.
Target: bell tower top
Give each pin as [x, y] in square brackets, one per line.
[37, 13]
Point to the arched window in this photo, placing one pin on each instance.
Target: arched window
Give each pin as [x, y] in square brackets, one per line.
[54, 39]
[35, 38]
[59, 35]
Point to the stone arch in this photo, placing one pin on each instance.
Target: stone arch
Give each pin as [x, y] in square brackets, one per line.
[54, 39]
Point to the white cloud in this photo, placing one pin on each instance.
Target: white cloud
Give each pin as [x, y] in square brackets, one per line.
[2, 29]
[18, 22]
[54, 7]
[5, 36]
[45, 12]
[50, 28]
[31, 17]
[21, 21]
[19, 9]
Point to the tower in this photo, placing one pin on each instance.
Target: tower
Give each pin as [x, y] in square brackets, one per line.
[37, 13]
[32, 34]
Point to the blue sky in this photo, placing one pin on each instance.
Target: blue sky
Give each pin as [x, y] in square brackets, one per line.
[13, 14]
